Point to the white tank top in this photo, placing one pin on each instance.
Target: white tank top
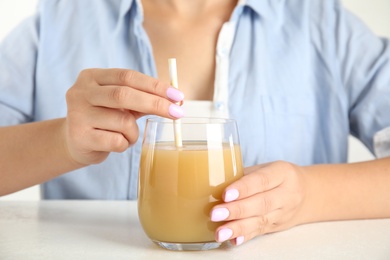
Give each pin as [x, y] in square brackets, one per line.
[204, 109]
[219, 106]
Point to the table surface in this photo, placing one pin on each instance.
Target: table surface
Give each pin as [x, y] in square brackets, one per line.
[111, 230]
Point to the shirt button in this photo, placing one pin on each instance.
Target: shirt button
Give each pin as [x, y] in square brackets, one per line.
[219, 106]
[223, 52]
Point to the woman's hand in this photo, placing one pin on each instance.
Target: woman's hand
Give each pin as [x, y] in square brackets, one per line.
[103, 106]
[265, 200]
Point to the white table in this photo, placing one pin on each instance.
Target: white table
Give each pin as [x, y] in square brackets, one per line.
[111, 230]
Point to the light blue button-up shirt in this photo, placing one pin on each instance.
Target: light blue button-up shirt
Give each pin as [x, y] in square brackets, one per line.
[297, 75]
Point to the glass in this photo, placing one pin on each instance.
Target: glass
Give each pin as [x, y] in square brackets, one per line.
[178, 186]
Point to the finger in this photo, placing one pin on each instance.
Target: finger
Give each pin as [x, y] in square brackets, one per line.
[131, 78]
[250, 169]
[105, 141]
[263, 179]
[271, 229]
[256, 205]
[115, 120]
[248, 228]
[122, 97]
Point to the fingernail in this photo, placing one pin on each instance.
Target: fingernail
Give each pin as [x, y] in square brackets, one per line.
[231, 195]
[219, 214]
[176, 111]
[224, 234]
[239, 240]
[175, 94]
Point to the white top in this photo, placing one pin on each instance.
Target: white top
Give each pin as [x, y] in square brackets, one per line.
[111, 230]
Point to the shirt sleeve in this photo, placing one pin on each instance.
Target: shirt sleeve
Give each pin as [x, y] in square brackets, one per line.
[364, 61]
[18, 54]
[382, 143]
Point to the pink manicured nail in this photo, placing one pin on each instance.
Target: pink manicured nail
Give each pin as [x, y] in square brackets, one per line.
[239, 240]
[219, 214]
[231, 195]
[176, 111]
[224, 234]
[175, 94]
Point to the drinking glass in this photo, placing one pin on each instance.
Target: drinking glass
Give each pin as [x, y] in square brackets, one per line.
[178, 185]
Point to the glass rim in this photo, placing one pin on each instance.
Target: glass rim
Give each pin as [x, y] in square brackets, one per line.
[192, 120]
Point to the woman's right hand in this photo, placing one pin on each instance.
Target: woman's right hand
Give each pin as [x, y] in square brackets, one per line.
[103, 106]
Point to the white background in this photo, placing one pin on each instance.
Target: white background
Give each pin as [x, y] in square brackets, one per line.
[376, 13]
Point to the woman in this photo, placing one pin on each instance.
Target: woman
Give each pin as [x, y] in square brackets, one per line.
[298, 76]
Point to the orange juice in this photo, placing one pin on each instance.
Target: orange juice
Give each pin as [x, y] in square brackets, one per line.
[179, 186]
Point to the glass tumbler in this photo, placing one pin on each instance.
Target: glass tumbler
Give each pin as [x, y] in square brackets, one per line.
[179, 184]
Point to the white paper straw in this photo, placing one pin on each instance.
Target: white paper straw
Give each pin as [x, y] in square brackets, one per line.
[174, 83]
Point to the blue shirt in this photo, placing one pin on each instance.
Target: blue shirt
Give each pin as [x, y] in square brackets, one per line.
[297, 75]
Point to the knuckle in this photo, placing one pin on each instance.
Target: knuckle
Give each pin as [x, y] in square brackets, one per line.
[117, 143]
[86, 74]
[158, 104]
[237, 212]
[132, 132]
[70, 95]
[264, 181]
[286, 166]
[120, 94]
[127, 134]
[155, 86]
[262, 222]
[133, 136]
[243, 187]
[126, 76]
[267, 204]
[80, 88]
[125, 121]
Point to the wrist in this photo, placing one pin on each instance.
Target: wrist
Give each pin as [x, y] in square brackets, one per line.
[308, 207]
[63, 141]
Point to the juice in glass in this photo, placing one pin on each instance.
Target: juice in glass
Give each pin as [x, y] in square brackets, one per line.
[178, 186]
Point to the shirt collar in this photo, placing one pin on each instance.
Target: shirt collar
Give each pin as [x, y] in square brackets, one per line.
[127, 4]
[261, 7]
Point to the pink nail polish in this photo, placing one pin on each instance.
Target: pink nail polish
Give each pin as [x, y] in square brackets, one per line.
[231, 195]
[219, 214]
[175, 94]
[224, 234]
[239, 240]
[176, 111]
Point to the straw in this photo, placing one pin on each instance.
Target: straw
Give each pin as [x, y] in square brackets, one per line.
[177, 122]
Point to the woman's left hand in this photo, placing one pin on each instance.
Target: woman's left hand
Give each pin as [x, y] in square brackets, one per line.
[267, 199]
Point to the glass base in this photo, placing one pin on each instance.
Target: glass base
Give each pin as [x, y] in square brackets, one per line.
[188, 246]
